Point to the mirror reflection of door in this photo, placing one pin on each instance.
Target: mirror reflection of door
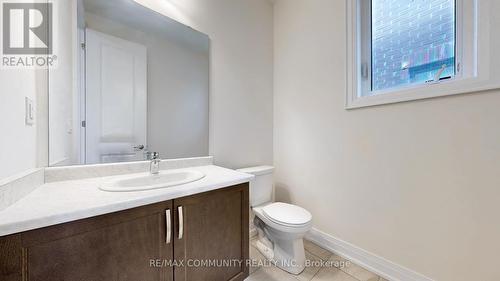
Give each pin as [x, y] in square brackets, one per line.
[116, 99]
[129, 82]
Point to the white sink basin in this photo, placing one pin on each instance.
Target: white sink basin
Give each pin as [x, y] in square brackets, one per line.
[140, 182]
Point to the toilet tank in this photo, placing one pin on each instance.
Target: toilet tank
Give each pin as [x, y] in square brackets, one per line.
[261, 187]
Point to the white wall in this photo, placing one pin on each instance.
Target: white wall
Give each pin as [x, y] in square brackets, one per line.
[416, 183]
[177, 91]
[18, 150]
[241, 84]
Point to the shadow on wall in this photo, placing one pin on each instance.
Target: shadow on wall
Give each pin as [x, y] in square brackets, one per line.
[282, 193]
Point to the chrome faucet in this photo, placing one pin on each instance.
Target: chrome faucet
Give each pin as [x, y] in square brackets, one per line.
[154, 167]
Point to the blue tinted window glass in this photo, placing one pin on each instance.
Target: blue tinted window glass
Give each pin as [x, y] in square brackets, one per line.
[412, 40]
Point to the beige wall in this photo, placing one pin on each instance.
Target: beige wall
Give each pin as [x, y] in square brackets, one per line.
[416, 183]
[241, 84]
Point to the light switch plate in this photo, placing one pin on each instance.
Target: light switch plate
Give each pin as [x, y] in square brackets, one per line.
[30, 112]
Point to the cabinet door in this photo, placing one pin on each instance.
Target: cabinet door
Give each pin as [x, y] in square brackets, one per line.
[212, 227]
[127, 245]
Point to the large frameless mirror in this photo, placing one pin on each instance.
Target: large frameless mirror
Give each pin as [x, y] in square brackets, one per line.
[128, 82]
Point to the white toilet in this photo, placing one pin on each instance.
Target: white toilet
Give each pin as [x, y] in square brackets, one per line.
[280, 226]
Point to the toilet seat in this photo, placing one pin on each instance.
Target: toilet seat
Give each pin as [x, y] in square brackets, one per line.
[287, 215]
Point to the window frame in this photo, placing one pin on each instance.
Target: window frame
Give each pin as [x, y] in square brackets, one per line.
[473, 63]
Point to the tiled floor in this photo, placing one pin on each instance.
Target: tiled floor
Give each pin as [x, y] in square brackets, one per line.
[342, 269]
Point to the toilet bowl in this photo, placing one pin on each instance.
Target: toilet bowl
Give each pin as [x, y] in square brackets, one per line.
[280, 226]
[284, 225]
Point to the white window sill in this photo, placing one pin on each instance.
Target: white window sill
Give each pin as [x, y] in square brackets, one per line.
[422, 91]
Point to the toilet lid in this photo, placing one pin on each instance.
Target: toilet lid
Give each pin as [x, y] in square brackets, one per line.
[287, 214]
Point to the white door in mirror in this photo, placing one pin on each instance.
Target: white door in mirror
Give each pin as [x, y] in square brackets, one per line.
[146, 181]
[116, 99]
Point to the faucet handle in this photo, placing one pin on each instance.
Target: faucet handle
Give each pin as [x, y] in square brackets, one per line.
[154, 166]
[155, 155]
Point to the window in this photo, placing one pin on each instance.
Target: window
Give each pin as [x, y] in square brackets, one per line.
[413, 41]
[402, 50]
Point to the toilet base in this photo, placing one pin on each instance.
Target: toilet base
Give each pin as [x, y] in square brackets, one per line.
[289, 255]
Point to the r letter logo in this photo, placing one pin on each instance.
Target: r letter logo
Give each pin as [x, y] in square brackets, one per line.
[26, 28]
[27, 34]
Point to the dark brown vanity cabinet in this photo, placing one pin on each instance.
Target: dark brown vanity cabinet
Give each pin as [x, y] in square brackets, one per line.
[195, 238]
[215, 231]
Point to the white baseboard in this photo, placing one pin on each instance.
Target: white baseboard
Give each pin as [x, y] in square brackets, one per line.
[371, 262]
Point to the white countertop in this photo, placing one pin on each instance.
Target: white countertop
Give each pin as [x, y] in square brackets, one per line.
[65, 201]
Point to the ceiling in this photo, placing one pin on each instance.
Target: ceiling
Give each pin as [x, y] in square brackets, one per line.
[134, 15]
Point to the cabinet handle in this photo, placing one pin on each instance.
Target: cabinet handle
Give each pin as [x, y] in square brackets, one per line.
[181, 222]
[168, 223]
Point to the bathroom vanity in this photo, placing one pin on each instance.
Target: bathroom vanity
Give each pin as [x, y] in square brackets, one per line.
[129, 107]
[184, 232]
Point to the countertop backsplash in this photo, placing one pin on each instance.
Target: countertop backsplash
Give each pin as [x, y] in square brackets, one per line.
[55, 174]
[13, 188]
